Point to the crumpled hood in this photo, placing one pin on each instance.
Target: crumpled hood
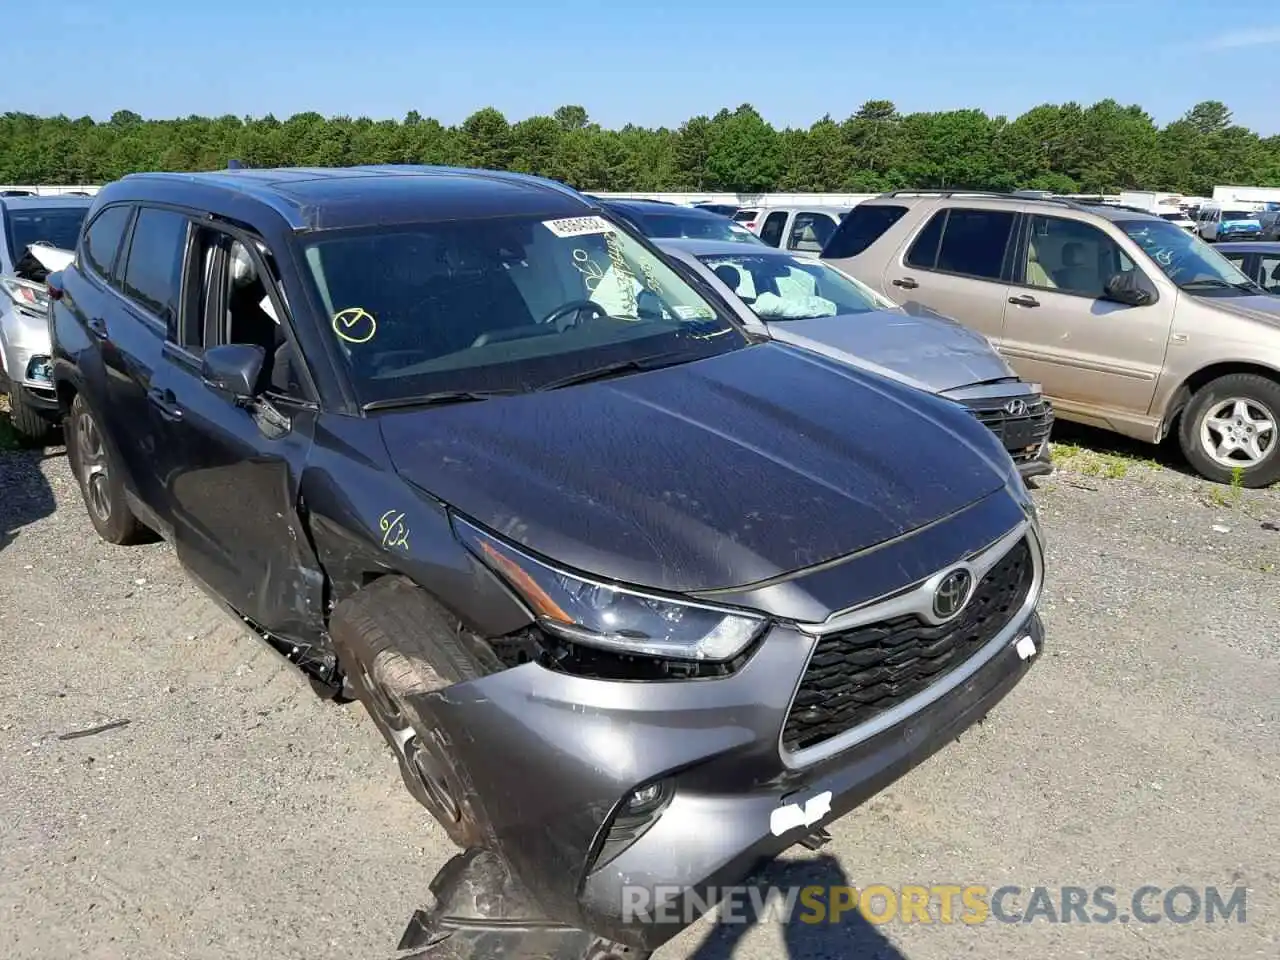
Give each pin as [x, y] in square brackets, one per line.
[717, 473]
[930, 351]
[52, 259]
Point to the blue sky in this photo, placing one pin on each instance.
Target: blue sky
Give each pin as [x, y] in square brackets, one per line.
[646, 61]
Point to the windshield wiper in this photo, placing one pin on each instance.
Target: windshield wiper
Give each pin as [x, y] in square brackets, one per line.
[439, 397]
[1212, 283]
[613, 369]
[807, 316]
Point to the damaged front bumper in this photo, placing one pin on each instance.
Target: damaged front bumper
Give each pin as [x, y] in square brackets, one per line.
[1020, 415]
[24, 357]
[558, 763]
[1039, 464]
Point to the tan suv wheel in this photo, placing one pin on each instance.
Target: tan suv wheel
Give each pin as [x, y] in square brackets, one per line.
[1231, 429]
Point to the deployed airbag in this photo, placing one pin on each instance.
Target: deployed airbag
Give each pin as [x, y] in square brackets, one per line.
[770, 306]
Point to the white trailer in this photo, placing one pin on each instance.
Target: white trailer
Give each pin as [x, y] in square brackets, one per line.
[1157, 202]
[1259, 195]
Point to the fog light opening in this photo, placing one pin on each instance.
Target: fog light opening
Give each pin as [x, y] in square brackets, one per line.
[644, 800]
[38, 369]
[639, 810]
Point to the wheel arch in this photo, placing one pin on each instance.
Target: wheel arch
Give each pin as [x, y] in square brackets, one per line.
[351, 561]
[1206, 375]
[66, 390]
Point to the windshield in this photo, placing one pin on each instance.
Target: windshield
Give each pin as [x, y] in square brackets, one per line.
[1173, 216]
[504, 304]
[1239, 215]
[675, 226]
[786, 288]
[56, 226]
[1187, 260]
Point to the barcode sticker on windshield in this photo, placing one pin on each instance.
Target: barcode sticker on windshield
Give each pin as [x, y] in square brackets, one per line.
[693, 313]
[578, 226]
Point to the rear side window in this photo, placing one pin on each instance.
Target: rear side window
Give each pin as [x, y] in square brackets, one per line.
[153, 273]
[771, 232]
[810, 232]
[973, 243]
[102, 240]
[924, 252]
[861, 227]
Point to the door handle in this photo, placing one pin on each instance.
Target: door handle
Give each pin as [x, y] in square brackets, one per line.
[98, 327]
[1024, 300]
[166, 401]
[906, 283]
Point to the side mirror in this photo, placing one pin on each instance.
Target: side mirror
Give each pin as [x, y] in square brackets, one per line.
[233, 369]
[1126, 288]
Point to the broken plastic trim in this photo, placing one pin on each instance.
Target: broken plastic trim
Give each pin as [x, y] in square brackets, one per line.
[320, 664]
[482, 912]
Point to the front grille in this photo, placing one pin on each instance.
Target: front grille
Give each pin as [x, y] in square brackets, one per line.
[858, 674]
[1022, 431]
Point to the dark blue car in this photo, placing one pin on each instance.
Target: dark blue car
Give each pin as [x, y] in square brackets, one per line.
[669, 221]
[628, 594]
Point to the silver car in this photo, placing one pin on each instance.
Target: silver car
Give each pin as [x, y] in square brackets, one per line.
[812, 305]
[36, 235]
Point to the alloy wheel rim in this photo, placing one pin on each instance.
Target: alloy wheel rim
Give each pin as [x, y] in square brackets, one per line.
[416, 752]
[92, 457]
[1238, 432]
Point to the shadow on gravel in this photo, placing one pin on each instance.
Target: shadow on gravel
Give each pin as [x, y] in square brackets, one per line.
[1168, 454]
[809, 933]
[25, 494]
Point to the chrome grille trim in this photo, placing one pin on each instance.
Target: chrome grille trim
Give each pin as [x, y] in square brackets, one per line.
[917, 600]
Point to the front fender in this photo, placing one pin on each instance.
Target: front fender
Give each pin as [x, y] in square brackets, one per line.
[366, 521]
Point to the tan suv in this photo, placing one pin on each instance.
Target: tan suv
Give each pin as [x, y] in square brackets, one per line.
[1129, 322]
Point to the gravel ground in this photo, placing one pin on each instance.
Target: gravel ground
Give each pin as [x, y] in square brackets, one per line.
[238, 816]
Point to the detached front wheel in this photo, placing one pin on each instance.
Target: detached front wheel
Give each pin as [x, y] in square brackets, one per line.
[1231, 430]
[396, 645]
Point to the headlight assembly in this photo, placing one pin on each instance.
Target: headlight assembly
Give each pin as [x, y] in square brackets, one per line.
[610, 617]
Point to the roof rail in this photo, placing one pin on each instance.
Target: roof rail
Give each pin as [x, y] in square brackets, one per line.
[944, 192]
[1025, 196]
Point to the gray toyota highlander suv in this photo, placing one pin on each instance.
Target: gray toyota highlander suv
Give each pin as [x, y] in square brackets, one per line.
[633, 599]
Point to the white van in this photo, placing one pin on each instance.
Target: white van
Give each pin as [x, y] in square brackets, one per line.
[1229, 220]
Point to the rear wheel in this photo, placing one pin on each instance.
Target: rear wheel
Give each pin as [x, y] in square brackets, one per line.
[1231, 429]
[99, 478]
[396, 644]
[26, 419]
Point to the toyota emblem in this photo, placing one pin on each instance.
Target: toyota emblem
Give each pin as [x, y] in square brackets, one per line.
[1016, 408]
[952, 594]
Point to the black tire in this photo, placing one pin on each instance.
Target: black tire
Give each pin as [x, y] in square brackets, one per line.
[98, 474]
[1262, 395]
[395, 643]
[30, 423]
